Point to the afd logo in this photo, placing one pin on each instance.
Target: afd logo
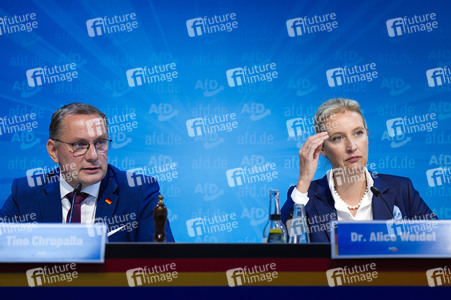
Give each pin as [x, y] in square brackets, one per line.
[438, 276]
[35, 177]
[438, 76]
[135, 77]
[135, 277]
[195, 127]
[35, 77]
[235, 177]
[195, 226]
[195, 27]
[395, 127]
[438, 176]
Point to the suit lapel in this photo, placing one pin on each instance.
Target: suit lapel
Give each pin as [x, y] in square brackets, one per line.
[380, 211]
[324, 206]
[51, 207]
[108, 197]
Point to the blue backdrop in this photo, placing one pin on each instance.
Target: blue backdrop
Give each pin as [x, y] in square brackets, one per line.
[201, 94]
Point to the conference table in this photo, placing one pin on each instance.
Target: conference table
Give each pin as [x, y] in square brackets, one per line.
[230, 269]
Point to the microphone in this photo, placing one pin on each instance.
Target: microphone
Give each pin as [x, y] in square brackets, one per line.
[76, 192]
[378, 194]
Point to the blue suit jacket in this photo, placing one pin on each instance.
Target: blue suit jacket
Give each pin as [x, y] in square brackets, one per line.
[395, 190]
[130, 206]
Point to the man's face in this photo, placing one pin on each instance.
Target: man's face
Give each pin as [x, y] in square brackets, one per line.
[90, 167]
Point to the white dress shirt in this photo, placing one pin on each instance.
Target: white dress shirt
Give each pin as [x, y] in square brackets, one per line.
[364, 212]
[88, 206]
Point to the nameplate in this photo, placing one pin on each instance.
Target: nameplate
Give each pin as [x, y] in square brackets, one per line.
[37, 242]
[391, 238]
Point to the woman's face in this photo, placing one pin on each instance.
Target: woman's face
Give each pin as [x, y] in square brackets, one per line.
[347, 146]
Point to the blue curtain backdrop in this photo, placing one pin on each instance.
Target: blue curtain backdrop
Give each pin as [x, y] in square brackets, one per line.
[203, 93]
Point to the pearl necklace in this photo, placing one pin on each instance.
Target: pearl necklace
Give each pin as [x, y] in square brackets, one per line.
[351, 207]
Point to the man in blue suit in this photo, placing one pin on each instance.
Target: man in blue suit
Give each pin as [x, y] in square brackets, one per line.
[79, 144]
[349, 191]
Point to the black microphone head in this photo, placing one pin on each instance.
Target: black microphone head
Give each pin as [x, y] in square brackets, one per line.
[375, 191]
[78, 188]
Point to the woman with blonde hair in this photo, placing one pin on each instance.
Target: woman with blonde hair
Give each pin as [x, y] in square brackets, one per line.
[348, 191]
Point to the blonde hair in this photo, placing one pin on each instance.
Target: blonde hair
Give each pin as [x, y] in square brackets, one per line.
[332, 107]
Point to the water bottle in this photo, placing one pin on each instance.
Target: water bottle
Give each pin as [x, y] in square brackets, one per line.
[275, 231]
[299, 233]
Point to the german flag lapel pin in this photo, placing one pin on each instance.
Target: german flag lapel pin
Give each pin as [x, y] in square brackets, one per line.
[108, 201]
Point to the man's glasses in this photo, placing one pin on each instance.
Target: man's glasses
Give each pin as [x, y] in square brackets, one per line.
[80, 148]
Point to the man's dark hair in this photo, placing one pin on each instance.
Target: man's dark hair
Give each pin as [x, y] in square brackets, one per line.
[74, 108]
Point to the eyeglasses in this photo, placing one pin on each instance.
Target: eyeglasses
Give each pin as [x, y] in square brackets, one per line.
[80, 148]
